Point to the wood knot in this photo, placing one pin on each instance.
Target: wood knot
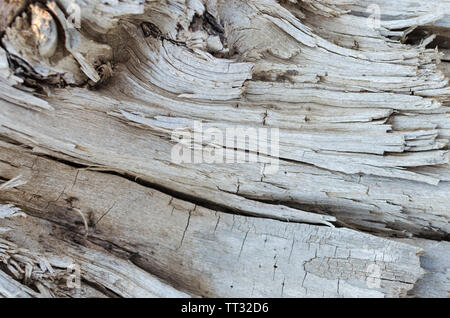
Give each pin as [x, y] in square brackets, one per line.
[149, 29]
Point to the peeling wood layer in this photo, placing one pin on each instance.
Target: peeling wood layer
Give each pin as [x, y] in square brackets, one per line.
[234, 255]
[364, 125]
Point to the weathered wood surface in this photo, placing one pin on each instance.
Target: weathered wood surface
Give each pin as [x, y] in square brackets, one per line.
[436, 263]
[207, 252]
[363, 123]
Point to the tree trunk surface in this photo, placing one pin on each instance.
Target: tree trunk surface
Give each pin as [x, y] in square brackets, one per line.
[97, 101]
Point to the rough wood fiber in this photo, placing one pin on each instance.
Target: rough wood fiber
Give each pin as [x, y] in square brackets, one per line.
[207, 252]
[86, 119]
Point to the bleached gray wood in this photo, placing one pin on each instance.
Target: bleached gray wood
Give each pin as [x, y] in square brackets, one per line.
[363, 118]
[206, 252]
[107, 274]
[435, 283]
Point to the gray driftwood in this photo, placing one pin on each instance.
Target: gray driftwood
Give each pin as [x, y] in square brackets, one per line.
[359, 204]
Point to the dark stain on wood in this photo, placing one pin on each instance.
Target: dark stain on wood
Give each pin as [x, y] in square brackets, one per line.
[150, 29]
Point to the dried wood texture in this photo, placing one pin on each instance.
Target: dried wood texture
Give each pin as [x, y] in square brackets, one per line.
[206, 252]
[88, 112]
